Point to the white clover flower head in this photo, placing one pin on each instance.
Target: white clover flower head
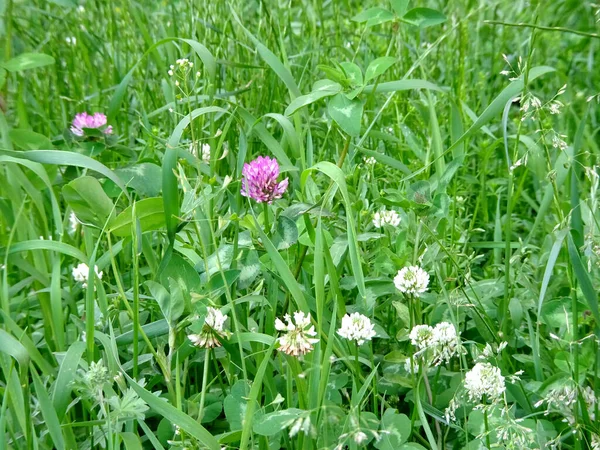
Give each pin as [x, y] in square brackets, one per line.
[421, 336]
[384, 217]
[356, 327]
[369, 161]
[206, 153]
[445, 343]
[213, 328]
[484, 380]
[297, 339]
[80, 273]
[411, 280]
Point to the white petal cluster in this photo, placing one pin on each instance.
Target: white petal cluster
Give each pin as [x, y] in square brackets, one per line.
[442, 341]
[385, 217]
[484, 380]
[213, 328]
[369, 161]
[297, 339]
[411, 280]
[80, 273]
[73, 223]
[356, 327]
[206, 153]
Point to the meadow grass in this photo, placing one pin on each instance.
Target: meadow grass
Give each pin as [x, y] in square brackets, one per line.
[426, 278]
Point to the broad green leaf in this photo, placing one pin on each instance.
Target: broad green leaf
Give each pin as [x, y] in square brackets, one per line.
[26, 61]
[374, 16]
[144, 178]
[12, 347]
[378, 67]
[424, 17]
[395, 430]
[346, 113]
[150, 213]
[287, 233]
[29, 140]
[321, 89]
[272, 423]
[61, 391]
[88, 200]
[131, 440]
[54, 246]
[235, 405]
[170, 308]
[399, 6]
[353, 73]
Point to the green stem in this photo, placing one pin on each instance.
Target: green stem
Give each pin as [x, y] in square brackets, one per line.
[204, 384]
[266, 219]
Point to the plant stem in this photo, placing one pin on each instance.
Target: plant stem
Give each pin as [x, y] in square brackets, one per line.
[204, 384]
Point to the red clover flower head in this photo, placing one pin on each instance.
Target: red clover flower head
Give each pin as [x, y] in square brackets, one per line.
[85, 120]
[259, 180]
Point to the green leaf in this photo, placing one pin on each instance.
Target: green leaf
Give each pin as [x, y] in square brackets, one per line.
[401, 85]
[272, 423]
[321, 89]
[235, 405]
[395, 430]
[175, 416]
[373, 16]
[51, 421]
[26, 61]
[144, 178]
[337, 176]
[168, 305]
[424, 17]
[287, 233]
[346, 113]
[353, 73]
[150, 213]
[183, 272]
[61, 392]
[583, 278]
[10, 346]
[378, 67]
[88, 200]
[399, 6]
[29, 140]
[131, 440]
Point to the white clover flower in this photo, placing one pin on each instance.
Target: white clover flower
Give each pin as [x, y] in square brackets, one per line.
[80, 273]
[206, 153]
[411, 280]
[445, 343]
[484, 380]
[212, 329]
[296, 341]
[369, 161]
[595, 442]
[420, 336]
[356, 327]
[384, 217]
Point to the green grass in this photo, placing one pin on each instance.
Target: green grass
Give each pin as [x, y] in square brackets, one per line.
[497, 196]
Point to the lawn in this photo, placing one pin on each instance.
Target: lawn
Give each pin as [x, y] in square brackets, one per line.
[299, 224]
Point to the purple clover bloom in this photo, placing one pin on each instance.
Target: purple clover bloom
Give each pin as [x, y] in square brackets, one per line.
[259, 180]
[85, 120]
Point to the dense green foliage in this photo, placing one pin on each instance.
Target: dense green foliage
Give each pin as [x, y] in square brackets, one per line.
[475, 121]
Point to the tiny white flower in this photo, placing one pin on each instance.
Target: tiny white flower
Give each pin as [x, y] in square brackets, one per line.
[73, 223]
[212, 329]
[297, 339]
[555, 107]
[384, 217]
[359, 437]
[80, 9]
[356, 327]
[170, 72]
[411, 280]
[80, 273]
[177, 83]
[197, 74]
[484, 380]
